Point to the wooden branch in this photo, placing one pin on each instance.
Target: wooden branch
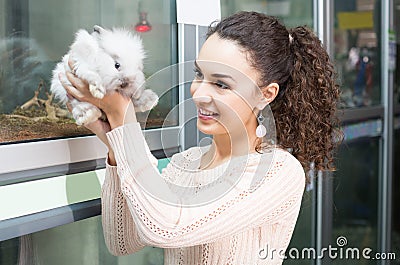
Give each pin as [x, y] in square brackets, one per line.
[53, 110]
[50, 109]
[35, 99]
[17, 116]
[35, 119]
[32, 101]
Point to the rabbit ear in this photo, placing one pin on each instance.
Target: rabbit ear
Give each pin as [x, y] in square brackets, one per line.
[98, 29]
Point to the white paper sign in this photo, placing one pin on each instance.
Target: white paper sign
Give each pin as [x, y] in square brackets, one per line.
[198, 12]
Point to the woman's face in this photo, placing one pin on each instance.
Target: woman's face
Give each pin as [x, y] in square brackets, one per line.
[224, 89]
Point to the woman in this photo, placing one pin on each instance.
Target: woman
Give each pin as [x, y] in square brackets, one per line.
[236, 201]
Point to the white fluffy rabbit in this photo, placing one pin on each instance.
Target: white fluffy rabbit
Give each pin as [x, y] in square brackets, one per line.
[109, 60]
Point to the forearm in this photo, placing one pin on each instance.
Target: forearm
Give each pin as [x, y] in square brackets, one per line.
[123, 114]
[111, 158]
[119, 229]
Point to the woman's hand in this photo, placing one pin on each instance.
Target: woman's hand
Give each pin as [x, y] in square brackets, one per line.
[100, 128]
[114, 105]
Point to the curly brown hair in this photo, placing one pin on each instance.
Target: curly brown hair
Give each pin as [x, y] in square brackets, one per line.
[305, 107]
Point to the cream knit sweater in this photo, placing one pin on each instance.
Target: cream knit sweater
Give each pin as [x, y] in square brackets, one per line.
[216, 218]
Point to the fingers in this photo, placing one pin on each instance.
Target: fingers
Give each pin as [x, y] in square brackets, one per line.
[75, 93]
[72, 91]
[78, 88]
[77, 82]
[71, 64]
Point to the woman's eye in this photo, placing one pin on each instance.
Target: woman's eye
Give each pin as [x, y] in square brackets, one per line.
[117, 65]
[221, 85]
[197, 73]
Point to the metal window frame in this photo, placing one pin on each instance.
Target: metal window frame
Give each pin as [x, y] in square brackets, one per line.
[191, 38]
[323, 24]
[40, 159]
[385, 183]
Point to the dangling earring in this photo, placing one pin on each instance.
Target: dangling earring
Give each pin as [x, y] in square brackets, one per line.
[261, 131]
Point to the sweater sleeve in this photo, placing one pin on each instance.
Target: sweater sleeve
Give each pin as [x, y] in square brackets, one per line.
[120, 233]
[163, 221]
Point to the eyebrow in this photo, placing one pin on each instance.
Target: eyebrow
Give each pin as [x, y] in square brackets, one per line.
[217, 75]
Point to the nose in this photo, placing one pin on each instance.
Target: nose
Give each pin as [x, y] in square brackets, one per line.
[201, 92]
[124, 83]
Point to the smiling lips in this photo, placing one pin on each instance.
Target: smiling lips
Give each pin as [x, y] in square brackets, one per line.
[206, 114]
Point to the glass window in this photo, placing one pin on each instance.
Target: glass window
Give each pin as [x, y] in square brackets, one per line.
[35, 35]
[396, 190]
[396, 11]
[395, 240]
[302, 234]
[75, 243]
[355, 191]
[292, 12]
[357, 51]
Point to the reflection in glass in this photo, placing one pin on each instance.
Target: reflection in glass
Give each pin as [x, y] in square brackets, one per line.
[357, 51]
[33, 38]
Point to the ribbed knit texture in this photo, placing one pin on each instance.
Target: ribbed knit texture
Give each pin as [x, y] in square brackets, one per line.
[257, 214]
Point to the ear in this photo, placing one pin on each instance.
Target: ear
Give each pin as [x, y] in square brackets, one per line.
[269, 93]
[97, 29]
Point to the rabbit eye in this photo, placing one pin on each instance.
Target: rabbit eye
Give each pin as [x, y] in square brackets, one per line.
[117, 65]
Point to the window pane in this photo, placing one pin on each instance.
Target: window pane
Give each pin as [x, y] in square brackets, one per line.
[396, 190]
[355, 195]
[302, 234]
[292, 12]
[35, 35]
[395, 240]
[396, 11]
[75, 243]
[357, 51]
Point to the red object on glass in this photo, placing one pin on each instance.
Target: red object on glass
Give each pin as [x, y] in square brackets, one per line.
[143, 25]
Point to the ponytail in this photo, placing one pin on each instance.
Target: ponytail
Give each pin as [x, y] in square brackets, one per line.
[305, 114]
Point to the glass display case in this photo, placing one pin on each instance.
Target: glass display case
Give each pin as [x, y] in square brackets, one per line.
[33, 38]
[35, 35]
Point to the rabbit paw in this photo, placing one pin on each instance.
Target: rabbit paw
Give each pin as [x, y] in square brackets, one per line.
[146, 101]
[96, 90]
[86, 114]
